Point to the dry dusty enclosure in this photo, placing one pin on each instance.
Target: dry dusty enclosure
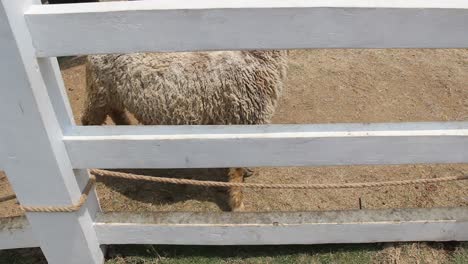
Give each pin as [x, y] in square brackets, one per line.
[324, 86]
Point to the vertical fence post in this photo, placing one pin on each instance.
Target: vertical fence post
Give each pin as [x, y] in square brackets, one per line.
[34, 156]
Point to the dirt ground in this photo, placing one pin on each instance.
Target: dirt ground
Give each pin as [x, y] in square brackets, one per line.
[324, 86]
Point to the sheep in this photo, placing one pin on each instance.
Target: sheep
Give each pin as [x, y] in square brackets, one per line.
[187, 88]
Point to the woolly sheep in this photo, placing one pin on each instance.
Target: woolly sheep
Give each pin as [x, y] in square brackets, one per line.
[189, 88]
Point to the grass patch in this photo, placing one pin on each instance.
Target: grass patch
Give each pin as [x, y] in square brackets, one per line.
[461, 254]
[433, 253]
[22, 256]
[242, 254]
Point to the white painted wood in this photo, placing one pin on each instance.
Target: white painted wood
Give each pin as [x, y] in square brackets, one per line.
[15, 232]
[39, 163]
[269, 145]
[167, 25]
[55, 86]
[366, 226]
[56, 89]
[35, 158]
[351, 226]
[272, 235]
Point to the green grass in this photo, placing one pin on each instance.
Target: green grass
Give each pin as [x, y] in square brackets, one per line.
[22, 256]
[147, 254]
[237, 254]
[461, 254]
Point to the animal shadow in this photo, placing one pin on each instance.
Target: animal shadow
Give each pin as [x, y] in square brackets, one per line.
[164, 193]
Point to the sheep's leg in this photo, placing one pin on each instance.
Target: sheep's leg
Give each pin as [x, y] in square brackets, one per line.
[119, 117]
[94, 116]
[248, 172]
[236, 196]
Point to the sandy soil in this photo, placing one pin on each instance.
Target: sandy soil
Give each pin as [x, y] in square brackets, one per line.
[324, 86]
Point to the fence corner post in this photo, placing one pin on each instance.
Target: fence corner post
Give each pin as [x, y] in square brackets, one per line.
[34, 155]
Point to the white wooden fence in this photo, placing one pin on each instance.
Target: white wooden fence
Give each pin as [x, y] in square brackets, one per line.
[45, 155]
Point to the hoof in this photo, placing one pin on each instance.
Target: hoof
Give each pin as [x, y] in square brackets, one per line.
[248, 172]
[239, 208]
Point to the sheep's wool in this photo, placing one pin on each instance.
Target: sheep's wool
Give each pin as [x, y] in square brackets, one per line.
[205, 88]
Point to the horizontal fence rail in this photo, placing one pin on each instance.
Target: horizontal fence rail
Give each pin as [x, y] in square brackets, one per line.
[177, 25]
[191, 228]
[445, 224]
[266, 145]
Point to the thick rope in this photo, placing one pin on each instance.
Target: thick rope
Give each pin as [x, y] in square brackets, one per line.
[64, 209]
[131, 176]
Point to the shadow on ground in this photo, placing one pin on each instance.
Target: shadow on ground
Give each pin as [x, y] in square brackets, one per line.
[166, 194]
[242, 254]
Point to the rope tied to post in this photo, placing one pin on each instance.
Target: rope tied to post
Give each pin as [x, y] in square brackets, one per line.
[130, 176]
[64, 209]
